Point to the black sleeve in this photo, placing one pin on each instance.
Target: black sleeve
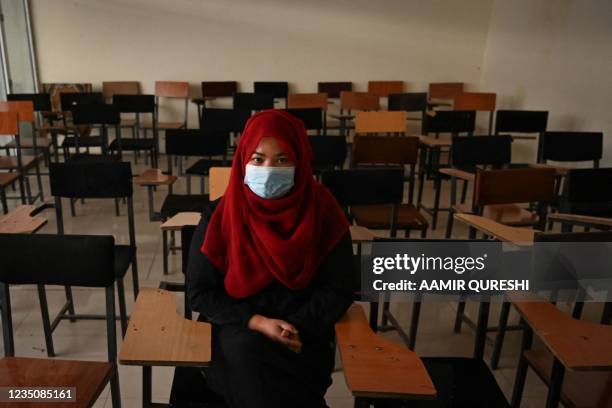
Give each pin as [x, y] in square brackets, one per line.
[333, 292]
[206, 289]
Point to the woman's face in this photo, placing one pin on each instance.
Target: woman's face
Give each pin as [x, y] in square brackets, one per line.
[270, 153]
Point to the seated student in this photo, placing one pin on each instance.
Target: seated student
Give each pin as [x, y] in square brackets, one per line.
[270, 267]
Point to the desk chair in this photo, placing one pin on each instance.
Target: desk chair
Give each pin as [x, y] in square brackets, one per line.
[583, 237]
[12, 115]
[72, 131]
[253, 101]
[55, 90]
[388, 151]
[497, 194]
[586, 200]
[42, 106]
[226, 120]
[212, 90]
[468, 155]
[312, 118]
[351, 102]
[310, 101]
[87, 116]
[444, 93]
[529, 124]
[334, 89]
[103, 177]
[279, 90]
[59, 260]
[206, 143]
[409, 102]
[328, 153]
[112, 88]
[176, 90]
[477, 101]
[570, 147]
[384, 88]
[138, 105]
[455, 123]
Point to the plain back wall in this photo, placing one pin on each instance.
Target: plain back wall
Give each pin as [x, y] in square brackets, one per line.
[302, 42]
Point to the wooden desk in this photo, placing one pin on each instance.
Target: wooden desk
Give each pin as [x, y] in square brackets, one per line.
[501, 232]
[376, 367]
[88, 378]
[152, 178]
[180, 220]
[361, 234]
[158, 336]
[19, 221]
[584, 220]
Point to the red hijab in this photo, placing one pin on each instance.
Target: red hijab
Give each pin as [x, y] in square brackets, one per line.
[256, 241]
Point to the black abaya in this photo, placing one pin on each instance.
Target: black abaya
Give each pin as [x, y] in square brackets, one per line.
[248, 369]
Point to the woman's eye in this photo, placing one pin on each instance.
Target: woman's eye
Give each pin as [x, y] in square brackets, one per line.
[282, 160]
[257, 160]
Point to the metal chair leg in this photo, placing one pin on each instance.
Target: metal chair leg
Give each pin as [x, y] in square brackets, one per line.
[44, 311]
[414, 322]
[434, 216]
[521, 369]
[122, 307]
[459, 316]
[501, 333]
[7, 320]
[165, 251]
[70, 301]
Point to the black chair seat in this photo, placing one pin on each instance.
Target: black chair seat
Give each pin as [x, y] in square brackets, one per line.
[123, 258]
[90, 141]
[133, 144]
[202, 166]
[460, 382]
[176, 203]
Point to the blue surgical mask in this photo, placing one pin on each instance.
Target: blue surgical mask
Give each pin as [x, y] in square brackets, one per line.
[268, 181]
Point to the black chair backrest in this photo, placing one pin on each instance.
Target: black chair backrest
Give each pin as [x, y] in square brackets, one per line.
[196, 142]
[95, 115]
[102, 178]
[333, 89]
[229, 120]
[520, 121]
[571, 146]
[68, 100]
[50, 259]
[218, 89]
[327, 151]
[449, 122]
[134, 103]
[365, 186]
[411, 102]
[41, 101]
[276, 89]
[253, 101]
[481, 150]
[590, 185]
[312, 117]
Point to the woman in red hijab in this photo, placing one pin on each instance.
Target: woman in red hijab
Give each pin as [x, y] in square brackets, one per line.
[271, 268]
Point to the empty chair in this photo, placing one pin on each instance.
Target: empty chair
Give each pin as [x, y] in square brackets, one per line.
[312, 117]
[138, 105]
[253, 101]
[328, 152]
[350, 102]
[219, 89]
[229, 120]
[60, 260]
[318, 101]
[477, 101]
[279, 89]
[384, 88]
[380, 122]
[527, 123]
[172, 90]
[87, 116]
[207, 143]
[12, 114]
[388, 151]
[571, 147]
[333, 89]
[468, 155]
[444, 93]
[42, 106]
[102, 178]
[409, 102]
[112, 88]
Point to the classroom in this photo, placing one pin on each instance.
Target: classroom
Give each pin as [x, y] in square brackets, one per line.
[310, 204]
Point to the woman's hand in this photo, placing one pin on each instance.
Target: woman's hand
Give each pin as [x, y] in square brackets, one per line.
[277, 330]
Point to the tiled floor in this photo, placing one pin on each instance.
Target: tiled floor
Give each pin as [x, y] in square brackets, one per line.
[87, 340]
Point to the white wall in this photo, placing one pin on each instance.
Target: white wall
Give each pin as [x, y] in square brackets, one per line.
[553, 55]
[300, 41]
